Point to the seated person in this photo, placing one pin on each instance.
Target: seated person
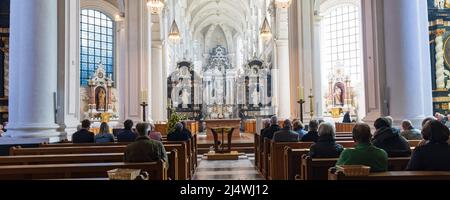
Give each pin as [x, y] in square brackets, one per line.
[5, 127]
[144, 149]
[424, 135]
[364, 153]
[266, 124]
[389, 139]
[299, 128]
[155, 135]
[186, 130]
[409, 132]
[347, 118]
[127, 135]
[104, 136]
[286, 134]
[435, 155]
[312, 135]
[274, 127]
[178, 134]
[84, 135]
[326, 146]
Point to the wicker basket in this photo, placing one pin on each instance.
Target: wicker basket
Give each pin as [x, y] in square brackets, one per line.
[354, 170]
[124, 174]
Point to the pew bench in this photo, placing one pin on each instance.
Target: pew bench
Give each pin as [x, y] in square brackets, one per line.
[317, 168]
[392, 175]
[172, 155]
[184, 172]
[157, 170]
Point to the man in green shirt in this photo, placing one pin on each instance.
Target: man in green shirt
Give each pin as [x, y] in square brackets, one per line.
[364, 153]
[144, 149]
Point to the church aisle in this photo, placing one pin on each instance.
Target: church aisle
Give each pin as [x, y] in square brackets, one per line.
[242, 169]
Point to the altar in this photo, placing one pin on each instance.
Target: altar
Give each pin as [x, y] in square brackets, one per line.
[223, 123]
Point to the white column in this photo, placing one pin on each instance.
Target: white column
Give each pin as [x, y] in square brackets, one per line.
[407, 54]
[284, 91]
[69, 66]
[157, 86]
[33, 72]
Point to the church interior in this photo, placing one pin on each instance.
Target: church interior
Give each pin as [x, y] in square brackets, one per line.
[225, 89]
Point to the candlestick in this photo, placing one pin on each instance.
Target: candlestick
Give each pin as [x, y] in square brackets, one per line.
[144, 96]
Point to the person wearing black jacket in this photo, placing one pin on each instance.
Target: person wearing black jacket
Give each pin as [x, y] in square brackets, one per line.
[84, 135]
[312, 135]
[179, 134]
[390, 140]
[435, 155]
[326, 146]
[127, 135]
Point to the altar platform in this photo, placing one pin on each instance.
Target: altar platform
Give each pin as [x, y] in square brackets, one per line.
[243, 143]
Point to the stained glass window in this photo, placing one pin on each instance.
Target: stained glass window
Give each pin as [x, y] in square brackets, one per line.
[96, 44]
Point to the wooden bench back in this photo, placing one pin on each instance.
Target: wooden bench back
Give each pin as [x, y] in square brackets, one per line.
[183, 158]
[317, 169]
[157, 170]
[393, 175]
[292, 162]
[276, 156]
[345, 127]
[84, 158]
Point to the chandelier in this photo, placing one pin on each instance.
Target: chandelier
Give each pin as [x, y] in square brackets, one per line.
[174, 34]
[266, 32]
[282, 3]
[155, 6]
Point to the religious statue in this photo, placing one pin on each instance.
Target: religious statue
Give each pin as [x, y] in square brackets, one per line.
[255, 99]
[101, 99]
[338, 96]
[185, 97]
[440, 4]
[219, 92]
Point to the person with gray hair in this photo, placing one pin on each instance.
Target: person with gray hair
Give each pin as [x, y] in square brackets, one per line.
[286, 134]
[145, 149]
[274, 127]
[409, 132]
[326, 146]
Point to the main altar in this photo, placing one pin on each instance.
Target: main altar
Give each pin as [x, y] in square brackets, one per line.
[221, 90]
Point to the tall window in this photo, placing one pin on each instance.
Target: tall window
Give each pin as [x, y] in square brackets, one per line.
[97, 44]
[341, 40]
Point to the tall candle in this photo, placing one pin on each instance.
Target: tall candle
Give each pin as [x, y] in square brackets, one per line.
[144, 96]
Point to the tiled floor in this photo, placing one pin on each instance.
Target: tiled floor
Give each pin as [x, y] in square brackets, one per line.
[242, 169]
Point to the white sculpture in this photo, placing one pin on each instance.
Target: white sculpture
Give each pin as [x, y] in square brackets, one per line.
[185, 97]
[440, 4]
[255, 99]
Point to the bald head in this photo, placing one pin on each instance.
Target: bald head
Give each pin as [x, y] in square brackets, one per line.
[361, 133]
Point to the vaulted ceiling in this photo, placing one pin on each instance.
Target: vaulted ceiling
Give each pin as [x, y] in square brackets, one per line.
[232, 14]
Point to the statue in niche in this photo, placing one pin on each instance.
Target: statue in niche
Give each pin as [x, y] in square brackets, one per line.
[255, 99]
[185, 97]
[338, 94]
[439, 4]
[101, 99]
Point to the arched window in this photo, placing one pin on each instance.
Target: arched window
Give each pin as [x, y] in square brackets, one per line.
[341, 58]
[341, 40]
[97, 44]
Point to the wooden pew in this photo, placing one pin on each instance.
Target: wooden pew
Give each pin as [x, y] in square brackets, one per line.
[257, 146]
[183, 158]
[393, 175]
[276, 156]
[345, 127]
[172, 155]
[292, 162]
[191, 154]
[157, 170]
[317, 169]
